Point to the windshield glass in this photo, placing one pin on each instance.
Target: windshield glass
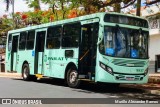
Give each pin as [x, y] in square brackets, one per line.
[124, 42]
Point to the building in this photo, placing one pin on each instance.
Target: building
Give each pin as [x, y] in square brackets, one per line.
[154, 47]
[152, 13]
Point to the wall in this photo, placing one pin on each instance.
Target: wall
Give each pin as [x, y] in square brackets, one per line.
[154, 49]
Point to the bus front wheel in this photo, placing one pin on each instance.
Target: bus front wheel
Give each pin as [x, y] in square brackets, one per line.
[72, 78]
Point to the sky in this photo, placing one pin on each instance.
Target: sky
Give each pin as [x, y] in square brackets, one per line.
[21, 6]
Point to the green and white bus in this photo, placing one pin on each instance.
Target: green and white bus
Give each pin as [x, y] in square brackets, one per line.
[101, 47]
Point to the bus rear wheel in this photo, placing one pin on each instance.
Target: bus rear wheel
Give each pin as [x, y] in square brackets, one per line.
[72, 78]
[26, 73]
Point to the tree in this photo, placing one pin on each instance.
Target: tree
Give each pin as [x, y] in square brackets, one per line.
[150, 2]
[114, 3]
[138, 11]
[7, 4]
[61, 8]
[34, 4]
[89, 6]
[5, 25]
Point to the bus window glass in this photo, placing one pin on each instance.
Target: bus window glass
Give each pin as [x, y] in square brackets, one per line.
[53, 37]
[14, 43]
[125, 43]
[9, 42]
[71, 35]
[30, 40]
[127, 20]
[22, 40]
[139, 43]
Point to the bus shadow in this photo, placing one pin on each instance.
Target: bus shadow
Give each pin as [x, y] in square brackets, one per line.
[113, 92]
[118, 92]
[99, 88]
[86, 86]
[92, 87]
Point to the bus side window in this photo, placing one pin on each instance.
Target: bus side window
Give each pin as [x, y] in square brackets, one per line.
[71, 35]
[22, 40]
[9, 42]
[53, 37]
[50, 44]
[30, 39]
[15, 43]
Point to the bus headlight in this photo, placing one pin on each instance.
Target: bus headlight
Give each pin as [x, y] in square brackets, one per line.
[146, 72]
[106, 68]
[103, 66]
[109, 70]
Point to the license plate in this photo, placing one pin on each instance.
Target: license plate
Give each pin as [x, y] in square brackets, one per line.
[130, 78]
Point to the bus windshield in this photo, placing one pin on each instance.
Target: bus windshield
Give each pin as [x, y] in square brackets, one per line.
[125, 43]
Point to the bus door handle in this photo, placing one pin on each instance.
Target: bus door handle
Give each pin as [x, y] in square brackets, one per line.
[69, 53]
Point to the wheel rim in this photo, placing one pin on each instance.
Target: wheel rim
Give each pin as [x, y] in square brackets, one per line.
[25, 72]
[73, 77]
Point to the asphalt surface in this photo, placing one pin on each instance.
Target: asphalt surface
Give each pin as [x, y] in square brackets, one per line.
[55, 88]
[17, 88]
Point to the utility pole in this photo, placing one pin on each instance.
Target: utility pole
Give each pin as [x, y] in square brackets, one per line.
[138, 11]
[0, 62]
[13, 11]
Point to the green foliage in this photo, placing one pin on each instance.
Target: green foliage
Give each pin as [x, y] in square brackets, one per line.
[59, 9]
[5, 25]
[33, 4]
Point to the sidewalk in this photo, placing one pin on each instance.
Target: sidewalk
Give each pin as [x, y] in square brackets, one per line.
[10, 75]
[152, 87]
[154, 78]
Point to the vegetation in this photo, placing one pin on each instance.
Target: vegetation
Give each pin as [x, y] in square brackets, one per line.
[62, 9]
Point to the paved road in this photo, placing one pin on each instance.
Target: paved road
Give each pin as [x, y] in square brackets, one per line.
[17, 88]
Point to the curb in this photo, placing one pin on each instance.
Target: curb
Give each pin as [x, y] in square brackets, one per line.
[11, 75]
[155, 92]
[154, 75]
[154, 79]
[148, 91]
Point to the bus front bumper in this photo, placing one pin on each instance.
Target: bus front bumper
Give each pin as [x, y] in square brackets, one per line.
[103, 76]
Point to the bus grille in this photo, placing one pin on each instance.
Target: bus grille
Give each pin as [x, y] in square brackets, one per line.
[128, 78]
[128, 63]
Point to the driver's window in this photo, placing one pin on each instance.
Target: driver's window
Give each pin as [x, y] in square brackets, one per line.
[109, 37]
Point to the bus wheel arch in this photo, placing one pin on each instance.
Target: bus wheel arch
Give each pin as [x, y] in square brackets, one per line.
[71, 75]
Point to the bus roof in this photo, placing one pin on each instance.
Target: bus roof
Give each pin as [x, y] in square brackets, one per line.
[81, 18]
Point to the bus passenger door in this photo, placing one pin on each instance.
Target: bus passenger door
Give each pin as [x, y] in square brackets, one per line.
[14, 52]
[39, 51]
[88, 49]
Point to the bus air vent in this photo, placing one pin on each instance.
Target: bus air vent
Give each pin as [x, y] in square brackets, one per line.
[128, 63]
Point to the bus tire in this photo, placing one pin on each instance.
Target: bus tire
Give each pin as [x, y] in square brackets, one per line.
[26, 72]
[72, 78]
